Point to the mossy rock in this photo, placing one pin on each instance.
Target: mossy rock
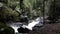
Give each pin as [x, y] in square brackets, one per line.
[4, 29]
[7, 13]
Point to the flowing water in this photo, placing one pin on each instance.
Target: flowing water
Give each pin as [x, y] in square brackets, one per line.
[17, 25]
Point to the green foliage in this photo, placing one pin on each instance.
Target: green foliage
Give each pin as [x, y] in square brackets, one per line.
[4, 29]
[33, 8]
[8, 14]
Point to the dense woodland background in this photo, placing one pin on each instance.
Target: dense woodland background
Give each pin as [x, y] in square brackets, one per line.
[10, 10]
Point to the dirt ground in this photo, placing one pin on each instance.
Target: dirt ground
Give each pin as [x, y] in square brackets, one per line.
[47, 29]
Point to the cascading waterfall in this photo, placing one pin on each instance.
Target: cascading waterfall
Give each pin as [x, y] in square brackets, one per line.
[35, 22]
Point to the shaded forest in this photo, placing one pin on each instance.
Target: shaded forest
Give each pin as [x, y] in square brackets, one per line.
[13, 10]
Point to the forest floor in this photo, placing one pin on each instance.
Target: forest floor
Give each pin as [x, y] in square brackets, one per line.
[47, 29]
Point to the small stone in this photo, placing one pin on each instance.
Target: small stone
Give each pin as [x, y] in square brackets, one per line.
[1, 4]
[2, 29]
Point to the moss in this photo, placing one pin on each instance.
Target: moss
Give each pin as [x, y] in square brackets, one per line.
[7, 13]
[4, 29]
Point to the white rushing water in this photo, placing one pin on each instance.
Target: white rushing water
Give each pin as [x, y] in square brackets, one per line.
[15, 28]
[35, 22]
